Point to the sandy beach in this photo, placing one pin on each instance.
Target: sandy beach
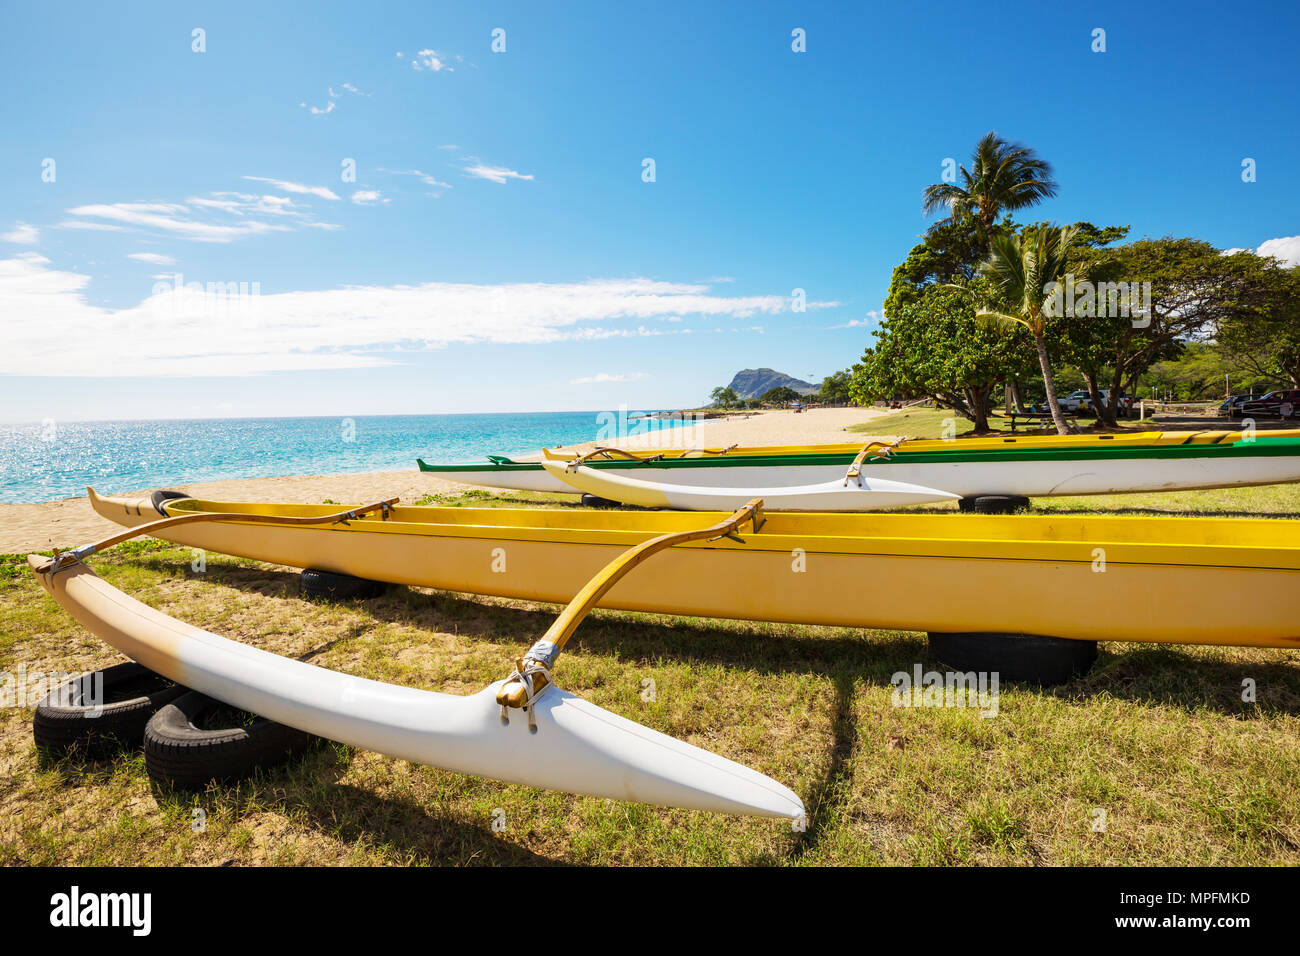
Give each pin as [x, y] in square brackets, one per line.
[71, 522]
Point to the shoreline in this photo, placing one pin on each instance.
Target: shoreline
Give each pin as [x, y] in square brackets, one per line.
[70, 522]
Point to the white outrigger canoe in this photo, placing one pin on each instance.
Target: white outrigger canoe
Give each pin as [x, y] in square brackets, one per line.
[849, 492]
[556, 740]
[1027, 466]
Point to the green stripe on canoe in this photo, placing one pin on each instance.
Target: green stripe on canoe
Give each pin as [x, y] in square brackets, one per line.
[1261, 447]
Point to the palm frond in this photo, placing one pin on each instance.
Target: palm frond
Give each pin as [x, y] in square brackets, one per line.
[942, 197]
[999, 319]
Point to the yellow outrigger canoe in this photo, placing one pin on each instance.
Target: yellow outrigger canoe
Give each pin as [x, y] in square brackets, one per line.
[1232, 581]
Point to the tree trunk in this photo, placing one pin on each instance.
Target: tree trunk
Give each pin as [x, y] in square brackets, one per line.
[1018, 396]
[978, 399]
[1040, 342]
[1105, 414]
[1122, 386]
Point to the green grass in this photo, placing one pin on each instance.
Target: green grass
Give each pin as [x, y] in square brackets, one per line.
[477, 498]
[1155, 737]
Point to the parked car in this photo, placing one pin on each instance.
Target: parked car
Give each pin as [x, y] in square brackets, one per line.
[1080, 401]
[1232, 406]
[1284, 403]
[1076, 401]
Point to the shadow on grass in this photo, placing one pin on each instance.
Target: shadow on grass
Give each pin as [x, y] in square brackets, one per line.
[829, 796]
[77, 767]
[354, 814]
[1051, 512]
[1177, 677]
[308, 790]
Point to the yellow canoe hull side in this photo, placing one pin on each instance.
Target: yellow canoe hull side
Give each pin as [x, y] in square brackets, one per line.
[1227, 581]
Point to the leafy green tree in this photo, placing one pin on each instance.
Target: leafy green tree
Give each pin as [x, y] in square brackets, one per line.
[724, 396]
[949, 253]
[1265, 339]
[1196, 292]
[934, 347]
[1003, 177]
[835, 388]
[1022, 269]
[780, 395]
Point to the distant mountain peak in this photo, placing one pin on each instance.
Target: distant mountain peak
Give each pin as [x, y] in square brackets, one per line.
[753, 382]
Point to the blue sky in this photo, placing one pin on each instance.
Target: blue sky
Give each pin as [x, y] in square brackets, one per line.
[499, 249]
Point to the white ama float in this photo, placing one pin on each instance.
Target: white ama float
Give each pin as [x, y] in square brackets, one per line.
[553, 740]
[846, 493]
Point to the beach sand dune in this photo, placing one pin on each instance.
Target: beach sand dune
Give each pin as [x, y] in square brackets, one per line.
[71, 522]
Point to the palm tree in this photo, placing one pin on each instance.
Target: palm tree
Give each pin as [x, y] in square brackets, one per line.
[1025, 270]
[724, 395]
[1003, 177]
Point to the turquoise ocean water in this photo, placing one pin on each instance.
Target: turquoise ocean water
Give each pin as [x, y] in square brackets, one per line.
[45, 462]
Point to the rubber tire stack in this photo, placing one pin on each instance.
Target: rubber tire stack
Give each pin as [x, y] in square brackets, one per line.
[177, 753]
[331, 586]
[132, 694]
[1016, 657]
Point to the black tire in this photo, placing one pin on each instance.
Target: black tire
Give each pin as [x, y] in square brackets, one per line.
[993, 504]
[331, 586]
[1016, 657]
[595, 501]
[183, 750]
[158, 497]
[64, 721]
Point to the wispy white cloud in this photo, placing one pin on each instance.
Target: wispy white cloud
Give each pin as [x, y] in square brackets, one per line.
[247, 204]
[431, 60]
[496, 174]
[368, 197]
[91, 226]
[322, 192]
[22, 234]
[873, 318]
[334, 95]
[223, 216]
[425, 178]
[601, 378]
[174, 221]
[153, 258]
[169, 332]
